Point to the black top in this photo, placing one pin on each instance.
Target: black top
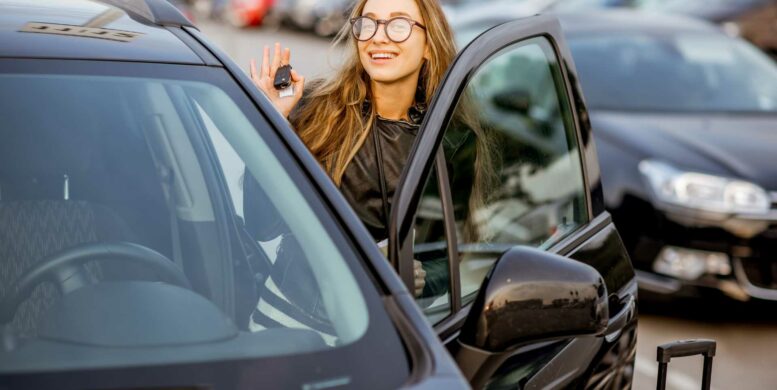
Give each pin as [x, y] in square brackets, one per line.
[361, 183]
[387, 147]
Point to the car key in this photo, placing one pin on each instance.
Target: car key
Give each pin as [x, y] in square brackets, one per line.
[282, 81]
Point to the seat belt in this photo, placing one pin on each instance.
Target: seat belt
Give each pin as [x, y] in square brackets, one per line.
[166, 174]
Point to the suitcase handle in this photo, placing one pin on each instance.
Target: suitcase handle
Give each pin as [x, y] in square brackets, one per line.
[681, 348]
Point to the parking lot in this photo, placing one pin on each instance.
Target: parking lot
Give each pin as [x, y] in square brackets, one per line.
[746, 336]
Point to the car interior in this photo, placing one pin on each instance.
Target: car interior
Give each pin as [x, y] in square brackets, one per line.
[89, 165]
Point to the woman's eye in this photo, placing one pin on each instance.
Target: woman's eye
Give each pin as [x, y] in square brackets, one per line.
[398, 27]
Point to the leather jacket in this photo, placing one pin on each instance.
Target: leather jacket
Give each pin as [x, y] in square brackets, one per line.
[371, 178]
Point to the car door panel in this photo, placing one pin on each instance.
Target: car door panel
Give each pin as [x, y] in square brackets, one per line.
[594, 241]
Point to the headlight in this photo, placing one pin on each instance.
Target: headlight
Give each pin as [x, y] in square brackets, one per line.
[703, 192]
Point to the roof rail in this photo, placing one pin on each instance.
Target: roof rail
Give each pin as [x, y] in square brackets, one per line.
[159, 12]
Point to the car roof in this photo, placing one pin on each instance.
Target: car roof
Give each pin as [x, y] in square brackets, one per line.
[125, 30]
[610, 21]
[631, 21]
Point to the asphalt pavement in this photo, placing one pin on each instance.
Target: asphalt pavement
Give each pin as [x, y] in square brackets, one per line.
[747, 336]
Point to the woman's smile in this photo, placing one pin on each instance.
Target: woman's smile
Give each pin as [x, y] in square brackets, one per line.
[382, 57]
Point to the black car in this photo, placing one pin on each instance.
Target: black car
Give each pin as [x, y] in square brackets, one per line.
[127, 259]
[684, 117]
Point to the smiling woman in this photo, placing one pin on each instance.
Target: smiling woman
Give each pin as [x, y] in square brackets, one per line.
[361, 123]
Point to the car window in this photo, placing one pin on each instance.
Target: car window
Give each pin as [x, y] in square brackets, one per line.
[171, 163]
[430, 247]
[513, 160]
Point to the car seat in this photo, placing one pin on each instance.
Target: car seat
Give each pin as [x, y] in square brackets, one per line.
[40, 166]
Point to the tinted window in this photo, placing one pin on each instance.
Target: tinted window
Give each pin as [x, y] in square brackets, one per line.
[173, 160]
[523, 171]
[681, 72]
[513, 161]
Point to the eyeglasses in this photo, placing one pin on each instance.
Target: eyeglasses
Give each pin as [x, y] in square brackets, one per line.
[397, 29]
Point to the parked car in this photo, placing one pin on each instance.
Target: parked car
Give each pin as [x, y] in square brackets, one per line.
[754, 20]
[247, 13]
[278, 14]
[331, 16]
[465, 11]
[129, 253]
[684, 116]
[324, 18]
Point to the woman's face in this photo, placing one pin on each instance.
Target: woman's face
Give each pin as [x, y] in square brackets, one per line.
[387, 61]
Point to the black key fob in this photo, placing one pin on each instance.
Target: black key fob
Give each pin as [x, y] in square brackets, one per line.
[282, 77]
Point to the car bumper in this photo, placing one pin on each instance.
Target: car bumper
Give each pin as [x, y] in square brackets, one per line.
[751, 271]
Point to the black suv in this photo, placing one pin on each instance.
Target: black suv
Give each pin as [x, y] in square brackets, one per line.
[128, 257]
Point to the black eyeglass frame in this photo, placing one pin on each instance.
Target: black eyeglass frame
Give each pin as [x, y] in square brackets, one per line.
[385, 23]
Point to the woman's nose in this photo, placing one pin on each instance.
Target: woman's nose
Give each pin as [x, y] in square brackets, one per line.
[380, 35]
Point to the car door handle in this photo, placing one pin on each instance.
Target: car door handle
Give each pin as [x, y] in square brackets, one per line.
[619, 321]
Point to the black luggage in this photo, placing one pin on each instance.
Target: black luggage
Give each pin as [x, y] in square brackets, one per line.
[681, 348]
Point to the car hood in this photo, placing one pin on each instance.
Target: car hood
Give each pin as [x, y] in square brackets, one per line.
[733, 145]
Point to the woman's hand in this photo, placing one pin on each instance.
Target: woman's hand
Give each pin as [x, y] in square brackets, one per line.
[263, 79]
[419, 276]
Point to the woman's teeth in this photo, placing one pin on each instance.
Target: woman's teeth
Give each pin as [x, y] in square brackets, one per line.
[383, 56]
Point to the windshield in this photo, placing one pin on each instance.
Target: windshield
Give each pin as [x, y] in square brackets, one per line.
[682, 72]
[148, 216]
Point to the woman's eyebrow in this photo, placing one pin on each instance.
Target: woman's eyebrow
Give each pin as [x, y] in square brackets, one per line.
[393, 14]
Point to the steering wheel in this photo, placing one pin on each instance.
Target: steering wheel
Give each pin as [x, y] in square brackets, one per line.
[67, 270]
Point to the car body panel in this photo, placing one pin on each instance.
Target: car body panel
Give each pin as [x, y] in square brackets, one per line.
[87, 25]
[705, 142]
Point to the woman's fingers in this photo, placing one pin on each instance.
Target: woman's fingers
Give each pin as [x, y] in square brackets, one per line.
[297, 79]
[276, 60]
[266, 62]
[299, 84]
[286, 57]
[252, 70]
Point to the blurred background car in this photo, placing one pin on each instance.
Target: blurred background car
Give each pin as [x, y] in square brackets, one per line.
[465, 12]
[324, 18]
[331, 16]
[245, 13]
[238, 13]
[684, 116]
[185, 7]
[754, 20]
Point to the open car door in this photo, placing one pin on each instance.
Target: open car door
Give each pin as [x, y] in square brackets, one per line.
[527, 281]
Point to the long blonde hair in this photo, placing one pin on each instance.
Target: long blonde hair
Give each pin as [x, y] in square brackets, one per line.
[332, 124]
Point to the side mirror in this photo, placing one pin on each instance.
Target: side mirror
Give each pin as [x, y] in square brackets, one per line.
[529, 296]
[515, 99]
